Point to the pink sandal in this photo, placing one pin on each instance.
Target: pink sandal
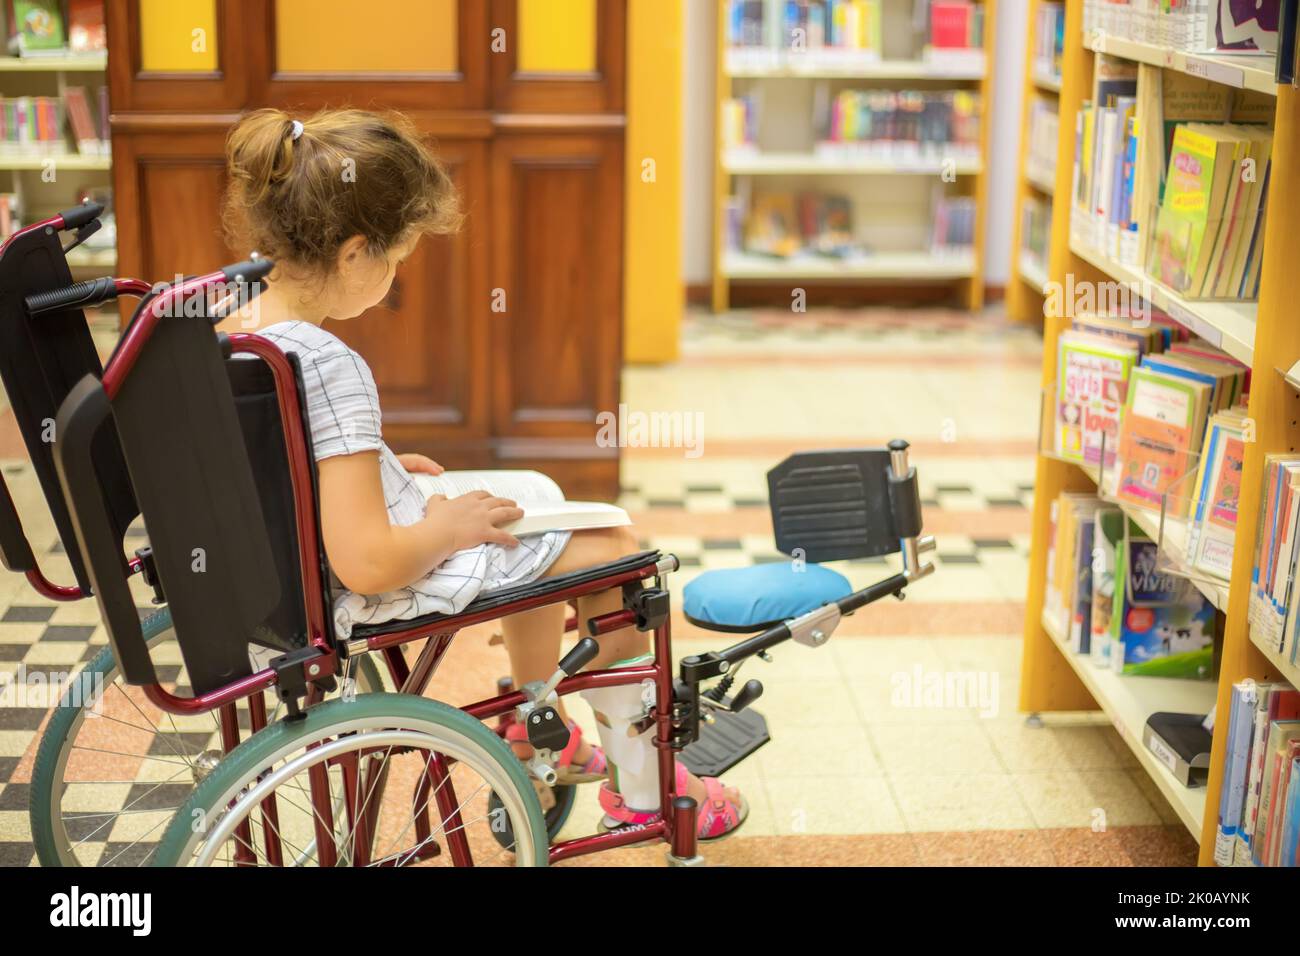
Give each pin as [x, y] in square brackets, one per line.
[719, 817]
[565, 771]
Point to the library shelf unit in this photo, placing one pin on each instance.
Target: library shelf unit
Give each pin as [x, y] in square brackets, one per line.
[1263, 334]
[1026, 289]
[24, 174]
[785, 71]
[1128, 701]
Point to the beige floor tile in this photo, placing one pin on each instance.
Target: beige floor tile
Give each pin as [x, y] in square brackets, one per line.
[839, 752]
[833, 805]
[1085, 799]
[1158, 801]
[881, 700]
[970, 801]
[808, 703]
[933, 749]
[862, 657]
[1024, 748]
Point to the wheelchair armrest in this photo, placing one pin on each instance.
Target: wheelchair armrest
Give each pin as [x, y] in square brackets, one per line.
[83, 412]
[15, 549]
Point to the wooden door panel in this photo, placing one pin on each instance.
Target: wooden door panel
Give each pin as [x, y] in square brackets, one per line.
[557, 240]
[168, 190]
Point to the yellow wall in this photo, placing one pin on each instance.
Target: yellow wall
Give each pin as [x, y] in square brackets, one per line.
[325, 36]
[557, 36]
[653, 291]
[167, 37]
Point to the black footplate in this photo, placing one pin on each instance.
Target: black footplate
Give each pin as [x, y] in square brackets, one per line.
[725, 742]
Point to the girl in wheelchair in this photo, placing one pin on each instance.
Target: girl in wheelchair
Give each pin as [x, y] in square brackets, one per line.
[338, 201]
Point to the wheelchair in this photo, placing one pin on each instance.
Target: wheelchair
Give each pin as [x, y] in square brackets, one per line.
[204, 437]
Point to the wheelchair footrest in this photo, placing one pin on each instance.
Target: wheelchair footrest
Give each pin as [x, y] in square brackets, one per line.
[725, 742]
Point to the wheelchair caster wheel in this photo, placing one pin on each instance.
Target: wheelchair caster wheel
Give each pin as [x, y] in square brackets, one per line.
[557, 804]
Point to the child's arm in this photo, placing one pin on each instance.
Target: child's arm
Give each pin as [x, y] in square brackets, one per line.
[372, 556]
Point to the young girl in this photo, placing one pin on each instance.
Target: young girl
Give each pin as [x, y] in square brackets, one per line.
[338, 201]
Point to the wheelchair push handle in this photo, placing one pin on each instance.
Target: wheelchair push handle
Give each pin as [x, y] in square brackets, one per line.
[78, 216]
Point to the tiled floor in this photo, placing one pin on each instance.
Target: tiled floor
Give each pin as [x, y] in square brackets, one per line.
[898, 742]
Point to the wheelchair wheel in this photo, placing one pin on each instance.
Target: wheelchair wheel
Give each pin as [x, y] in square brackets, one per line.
[380, 780]
[556, 802]
[107, 779]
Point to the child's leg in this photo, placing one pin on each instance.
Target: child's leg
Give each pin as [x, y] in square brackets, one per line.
[532, 640]
[618, 707]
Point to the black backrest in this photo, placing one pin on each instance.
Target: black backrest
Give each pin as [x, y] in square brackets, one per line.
[189, 467]
[258, 408]
[41, 359]
[836, 505]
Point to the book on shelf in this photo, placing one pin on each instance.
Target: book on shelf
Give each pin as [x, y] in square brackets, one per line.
[1114, 602]
[956, 25]
[898, 124]
[1272, 613]
[1044, 129]
[739, 123]
[86, 30]
[1217, 494]
[1049, 40]
[1092, 379]
[542, 501]
[786, 224]
[1161, 625]
[1036, 231]
[36, 28]
[36, 126]
[1257, 802]
[1204, 26]
[852, 26]
[954, 224]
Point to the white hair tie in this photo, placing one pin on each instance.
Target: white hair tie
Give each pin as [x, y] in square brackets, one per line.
[297, 130]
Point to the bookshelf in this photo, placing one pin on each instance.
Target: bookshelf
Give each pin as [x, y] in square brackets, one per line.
[891, 190]
[1262, 334]
[42, 183]
[1026, 287]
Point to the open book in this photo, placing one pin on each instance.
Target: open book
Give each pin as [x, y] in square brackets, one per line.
[541, 498]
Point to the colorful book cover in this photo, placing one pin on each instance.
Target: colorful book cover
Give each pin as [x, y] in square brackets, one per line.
[1218, 520]
[1156, 435]
[1081, 619]
[1167, 626]
[36, 26]
[1092, 384]
[1186, 210]
[1108, 535]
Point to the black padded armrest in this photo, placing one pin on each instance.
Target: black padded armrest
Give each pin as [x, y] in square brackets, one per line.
[15, 549]
[82, 414]
[507, 596]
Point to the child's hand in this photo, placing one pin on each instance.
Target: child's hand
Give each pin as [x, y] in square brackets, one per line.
[474, 518]
[420, 465]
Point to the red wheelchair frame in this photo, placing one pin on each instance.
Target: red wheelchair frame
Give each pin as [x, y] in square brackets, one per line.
[301, 674]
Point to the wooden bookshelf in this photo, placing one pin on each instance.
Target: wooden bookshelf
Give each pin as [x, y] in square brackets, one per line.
[930, 72]
[1265, 335]
[51, 75]
[1026, 288]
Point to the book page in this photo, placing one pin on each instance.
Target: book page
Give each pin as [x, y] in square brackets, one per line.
[519, 486]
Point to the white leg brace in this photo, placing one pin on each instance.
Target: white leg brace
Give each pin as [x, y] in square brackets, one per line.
[636, 767]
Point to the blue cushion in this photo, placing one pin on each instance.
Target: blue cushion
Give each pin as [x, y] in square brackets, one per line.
[749, 598]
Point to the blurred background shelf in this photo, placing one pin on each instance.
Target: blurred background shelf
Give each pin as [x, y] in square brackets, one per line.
[885, 265]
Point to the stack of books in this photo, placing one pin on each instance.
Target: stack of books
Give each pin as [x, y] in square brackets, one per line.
[1171, 175]
[1113, 601]
[899, 124]
[34, 126]
[783, 225]
[1162, 416]
[1040, 158]
[1259, 803]
[850, 26]
[1210, 226]
[739, 121]
[1204, 26]
[954, 225]
[1273, 606]
[1036, 231]
[1049, 40]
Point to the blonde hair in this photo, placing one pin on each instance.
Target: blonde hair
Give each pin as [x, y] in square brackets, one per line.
[297, 198]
